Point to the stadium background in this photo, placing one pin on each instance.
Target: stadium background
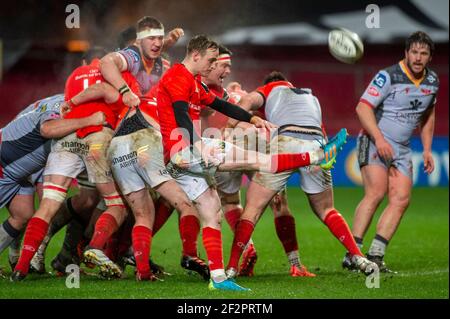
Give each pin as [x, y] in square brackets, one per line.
[38, 52]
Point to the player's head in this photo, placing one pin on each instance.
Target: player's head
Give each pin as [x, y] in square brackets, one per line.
[203, 53]
[419, 49]
[274, 76]
[126, 37]
[95, 52]
[150, 36]
[221, 69]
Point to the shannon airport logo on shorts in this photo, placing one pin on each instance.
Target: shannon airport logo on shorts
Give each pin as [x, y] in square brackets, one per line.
[76, 147]
[125, 160]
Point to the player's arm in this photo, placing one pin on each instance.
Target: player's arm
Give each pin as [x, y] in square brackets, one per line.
[249, 102]
[111, 66]
[57, 128]
[94, 92]
[369, 123]
[238, 113]
[184, 121]
[172, 38]
[426, 135]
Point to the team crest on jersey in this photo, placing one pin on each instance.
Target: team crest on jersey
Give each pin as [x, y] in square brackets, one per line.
[431, 78]
[415, 104]
[380, 80]
[373, 91]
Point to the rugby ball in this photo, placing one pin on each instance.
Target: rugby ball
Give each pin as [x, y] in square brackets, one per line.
[345, 45]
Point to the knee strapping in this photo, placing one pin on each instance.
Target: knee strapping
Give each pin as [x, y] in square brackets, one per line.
[113, 199]
[55, 192]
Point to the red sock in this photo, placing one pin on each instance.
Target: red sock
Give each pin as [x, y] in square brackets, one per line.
[212, 240]
[162, 214]
[34, 234]
[338, 226]
[285, 226]
[142, 238]
[285, 162]
[105, 226]
[189, 227]
[244, 230]
[111, 247]
[232, 217]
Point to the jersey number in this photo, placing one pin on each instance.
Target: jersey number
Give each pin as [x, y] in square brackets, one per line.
[86, 83]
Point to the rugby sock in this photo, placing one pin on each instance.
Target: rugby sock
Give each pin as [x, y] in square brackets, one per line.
[106, 226]
[232, 217]
[34, 234]
[74, 234]
[125, 238]
[284, 162]
[7, 235]
[294, 258]
[14, 248]
[141, 238]
[285, 227]
[189, 227]
[112, 246]
[162, 214]
[378, 246]
[212, 241]
[244, 230]
[339, 228]
[359, 242]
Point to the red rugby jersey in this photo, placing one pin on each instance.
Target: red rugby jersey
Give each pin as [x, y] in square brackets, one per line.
[80, 79]
[178, 84]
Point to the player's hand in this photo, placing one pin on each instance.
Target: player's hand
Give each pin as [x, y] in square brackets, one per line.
[98, 118]
[64, 108]
[428, 163]
[130, 99]
[384, 149]
[260, 123]
[173, 36]
[211, 154]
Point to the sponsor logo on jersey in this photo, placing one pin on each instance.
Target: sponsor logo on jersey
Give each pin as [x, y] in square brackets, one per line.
[373, 91]
[431, 78]
[380, 80]
[426, 91]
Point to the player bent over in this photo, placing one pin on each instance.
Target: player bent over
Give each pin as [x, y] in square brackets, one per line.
[298, 114]
[193, 161]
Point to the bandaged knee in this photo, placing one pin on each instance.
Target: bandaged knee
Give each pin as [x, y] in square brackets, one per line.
[55, 192]
[113, 199]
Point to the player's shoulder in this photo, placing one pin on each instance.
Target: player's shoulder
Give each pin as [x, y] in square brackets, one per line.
[431, 79]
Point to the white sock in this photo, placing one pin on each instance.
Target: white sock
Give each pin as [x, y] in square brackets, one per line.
[218, 275]
[294, 258]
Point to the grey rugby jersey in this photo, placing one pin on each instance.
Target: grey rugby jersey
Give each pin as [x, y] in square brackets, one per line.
[399, 100]
[23, 150]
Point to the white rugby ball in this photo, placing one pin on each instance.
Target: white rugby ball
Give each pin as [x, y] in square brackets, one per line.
[345, 45]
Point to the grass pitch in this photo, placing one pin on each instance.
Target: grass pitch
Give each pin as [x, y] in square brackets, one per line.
[419, 252]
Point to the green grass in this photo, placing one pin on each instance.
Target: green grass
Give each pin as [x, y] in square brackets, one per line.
[419, 251]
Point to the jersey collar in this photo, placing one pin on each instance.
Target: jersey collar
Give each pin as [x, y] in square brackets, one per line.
[408, 73]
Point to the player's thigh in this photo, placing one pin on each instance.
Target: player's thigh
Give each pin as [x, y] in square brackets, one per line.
[375, 181]
[176, 197]
[400, 187]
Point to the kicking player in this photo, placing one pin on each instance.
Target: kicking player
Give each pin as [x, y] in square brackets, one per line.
[399, 99]
[193, 161]
[24, 147]
[298, 114]
[229, 183]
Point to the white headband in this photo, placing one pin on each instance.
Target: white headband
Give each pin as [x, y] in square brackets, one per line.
[150, 33]
[224, 57]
